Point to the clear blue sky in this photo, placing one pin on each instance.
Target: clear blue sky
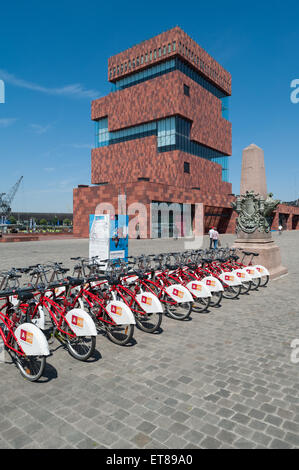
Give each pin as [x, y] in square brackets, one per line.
[53, 59]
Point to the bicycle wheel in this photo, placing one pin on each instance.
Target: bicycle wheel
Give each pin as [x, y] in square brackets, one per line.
[245, 288]
[81, 347]
[216, 298]
[232, 292]
[255, 283]
[178, 311]
[120, 334]
[31, 367]
[201, 304]
[264, 281]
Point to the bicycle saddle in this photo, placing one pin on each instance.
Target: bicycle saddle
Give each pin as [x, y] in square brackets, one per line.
[74, 281]
[221, 260]
[95, 278]
[23, 295]
[249, 253]
[54, 285]
[8, 293]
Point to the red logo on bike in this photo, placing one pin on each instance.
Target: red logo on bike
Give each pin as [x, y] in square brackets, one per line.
[146, 300]
[26, 336]
[116, 310]
[178, 293]
[77, 321]
[242, 275]
[211, 283]
[196, 287]
[229, 278]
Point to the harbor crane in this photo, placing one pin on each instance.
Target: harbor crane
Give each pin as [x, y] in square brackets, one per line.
[7, 198]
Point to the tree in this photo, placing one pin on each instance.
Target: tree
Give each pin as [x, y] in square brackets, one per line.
[12, 220]
[67, 222]
[43, 222]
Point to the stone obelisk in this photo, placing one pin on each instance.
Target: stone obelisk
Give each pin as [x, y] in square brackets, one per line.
[253, 207]
[253, 171]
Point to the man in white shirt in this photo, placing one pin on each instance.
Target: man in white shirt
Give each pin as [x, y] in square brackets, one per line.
[211, 232]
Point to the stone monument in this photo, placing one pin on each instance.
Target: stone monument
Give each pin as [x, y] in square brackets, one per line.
[254, 208]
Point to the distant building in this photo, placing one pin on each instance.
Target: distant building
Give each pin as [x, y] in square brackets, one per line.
[37, 216]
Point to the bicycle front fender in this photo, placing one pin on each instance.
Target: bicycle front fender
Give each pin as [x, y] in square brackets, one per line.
[32, 340]
[230, 279]
[262, 270]
[120, 313]
[179, 293]
[253, 272]
[149, 302]
[198, 289]
[213, 284]
[40, 321]
[243, 275]
[81, 322]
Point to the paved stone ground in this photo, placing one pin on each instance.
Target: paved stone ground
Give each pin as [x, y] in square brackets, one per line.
[222, 380]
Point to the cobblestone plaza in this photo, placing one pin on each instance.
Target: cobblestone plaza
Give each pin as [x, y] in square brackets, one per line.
[224, 379]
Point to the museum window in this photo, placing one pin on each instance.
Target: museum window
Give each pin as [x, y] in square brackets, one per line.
[102, 133]
[186, 90]
[187, 167]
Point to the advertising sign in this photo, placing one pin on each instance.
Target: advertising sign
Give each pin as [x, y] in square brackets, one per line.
[99, 235]
[108, 236]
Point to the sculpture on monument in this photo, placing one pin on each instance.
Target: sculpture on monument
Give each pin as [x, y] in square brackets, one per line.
[253, 212]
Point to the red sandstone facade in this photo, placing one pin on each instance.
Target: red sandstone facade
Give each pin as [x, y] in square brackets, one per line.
[136, 167]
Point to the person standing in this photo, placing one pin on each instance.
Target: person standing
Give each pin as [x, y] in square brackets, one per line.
[215, 238]
[280, 228]
[137, 228]
[211, 237]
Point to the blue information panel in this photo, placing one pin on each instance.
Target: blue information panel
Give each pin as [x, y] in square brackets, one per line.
[119, 239]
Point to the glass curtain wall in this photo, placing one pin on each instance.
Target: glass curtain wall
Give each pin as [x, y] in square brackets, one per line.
[172, 133]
